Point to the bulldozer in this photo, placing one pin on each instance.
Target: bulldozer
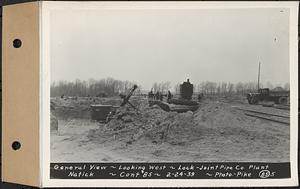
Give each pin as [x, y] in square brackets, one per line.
[182, 104]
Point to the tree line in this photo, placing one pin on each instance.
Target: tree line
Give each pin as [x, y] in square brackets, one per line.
[102, 87]
[224, 88]
[112, 87]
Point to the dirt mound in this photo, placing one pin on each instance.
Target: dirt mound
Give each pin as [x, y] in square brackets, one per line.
[217, 131]
[149, 123]
[219, 114]
[157, 126]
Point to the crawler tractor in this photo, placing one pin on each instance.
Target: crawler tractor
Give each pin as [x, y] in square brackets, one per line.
[182, 104]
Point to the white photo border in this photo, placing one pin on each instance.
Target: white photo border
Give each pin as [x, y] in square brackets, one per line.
[47, 7]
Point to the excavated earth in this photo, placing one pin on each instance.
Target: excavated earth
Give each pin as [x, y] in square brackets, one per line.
[217, 131]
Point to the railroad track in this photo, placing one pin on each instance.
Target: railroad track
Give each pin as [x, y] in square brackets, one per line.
[283, 119]
[283, 107]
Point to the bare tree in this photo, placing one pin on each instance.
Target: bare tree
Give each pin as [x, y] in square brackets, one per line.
[219, 88]
[269, 85]
[177, 88]
[224, 88]
[166, 86]
[155, 87]
[239, 88]
[161, 87]
[230, 88]
[287, 86]
[92, 87]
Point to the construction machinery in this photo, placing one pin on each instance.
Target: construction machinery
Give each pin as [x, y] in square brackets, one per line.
[265, 94]
[277, 95]
[126, 97]
[182, 104]
[104, 113]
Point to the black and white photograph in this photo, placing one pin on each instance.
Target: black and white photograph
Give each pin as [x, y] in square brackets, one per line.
[169, 85]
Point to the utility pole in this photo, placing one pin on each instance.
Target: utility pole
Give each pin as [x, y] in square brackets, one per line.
[258, 75]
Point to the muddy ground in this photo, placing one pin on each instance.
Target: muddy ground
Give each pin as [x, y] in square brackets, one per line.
[217, 131]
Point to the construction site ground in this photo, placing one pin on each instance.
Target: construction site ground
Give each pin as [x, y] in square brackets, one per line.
[218, 131]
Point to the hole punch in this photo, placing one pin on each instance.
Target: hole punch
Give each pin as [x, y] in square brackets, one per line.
[16, 145]
[17, 43]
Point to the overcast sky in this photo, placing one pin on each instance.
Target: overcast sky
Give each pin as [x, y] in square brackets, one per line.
[150, 46]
